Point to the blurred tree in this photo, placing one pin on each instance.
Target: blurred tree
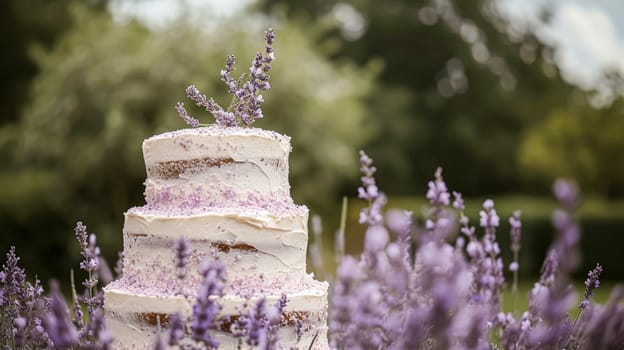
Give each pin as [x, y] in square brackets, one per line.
[580, 142]
[106, 86]
[469, 81]
[23, 24]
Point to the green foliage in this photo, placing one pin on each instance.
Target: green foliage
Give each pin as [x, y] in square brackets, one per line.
[105, 86]
[579, 142]
[25, 24]
[510, 88]
[601, 221]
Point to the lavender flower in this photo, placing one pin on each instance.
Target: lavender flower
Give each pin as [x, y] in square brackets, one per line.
[368, 190]
[437, 193]
[12, 278]
[176, 329]
[226, 74]
[257, 324]
[12, 292]
[592, 282]
[515, 233]
[488, 266]
[458, 201]
[246, 101]
[91, 254]
[34, 306]
[604, 327]
[206, 308]
[101, 338]
[94, 334]
[184, 115]
[159, 344]
[566, 193]
[274, 317]
[439, 224]
[57, 324]
[372, 215]
[182, 251]
[489, 218]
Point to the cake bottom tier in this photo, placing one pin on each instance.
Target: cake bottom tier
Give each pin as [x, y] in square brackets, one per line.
[133, 318]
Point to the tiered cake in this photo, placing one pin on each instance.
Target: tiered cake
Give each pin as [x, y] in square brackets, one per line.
[226, 191]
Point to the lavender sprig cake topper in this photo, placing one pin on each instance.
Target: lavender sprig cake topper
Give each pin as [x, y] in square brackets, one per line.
[247, 99]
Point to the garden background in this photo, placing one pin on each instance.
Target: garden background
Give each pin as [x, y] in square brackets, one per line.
[417, 84]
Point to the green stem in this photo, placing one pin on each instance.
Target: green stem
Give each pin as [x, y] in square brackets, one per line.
[514, 288]
[341, 229]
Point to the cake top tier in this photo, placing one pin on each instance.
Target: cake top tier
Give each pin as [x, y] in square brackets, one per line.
[217, 166]
[215, 142]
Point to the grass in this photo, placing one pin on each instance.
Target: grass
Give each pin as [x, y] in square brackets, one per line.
[532, 207]
[601, 296]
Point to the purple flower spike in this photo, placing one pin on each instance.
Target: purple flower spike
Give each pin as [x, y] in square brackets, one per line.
[193, 93]
[159, 344]
[458, 202]
[516, 229]
[226, 74]
[373, 214]
[176, 329]
[184, 115]
[206, 308]
[515, 233]
[567, 193]
[182, 251]
[12, 278]
[489, 218]
[438, 193]
[57, 323]
[246, 100]
[592, 282]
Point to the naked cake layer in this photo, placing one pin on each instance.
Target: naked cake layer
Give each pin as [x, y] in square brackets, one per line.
[134, 317]
[249, 242]
[215, 165]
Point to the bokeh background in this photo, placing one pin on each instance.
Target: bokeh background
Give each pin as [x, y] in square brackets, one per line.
[505, 95]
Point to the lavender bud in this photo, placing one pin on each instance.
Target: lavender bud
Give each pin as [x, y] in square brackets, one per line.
[592, 282]
[376, 238]
[489, 218]
[179, 107]
[567, 193]
[57, 323]
[458, 202]
[182, 251]
[438, 193]
[176, 329]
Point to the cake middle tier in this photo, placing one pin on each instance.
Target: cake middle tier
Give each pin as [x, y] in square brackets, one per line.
[254, 245]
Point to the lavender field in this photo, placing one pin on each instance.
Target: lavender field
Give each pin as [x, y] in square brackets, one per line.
[487, 211]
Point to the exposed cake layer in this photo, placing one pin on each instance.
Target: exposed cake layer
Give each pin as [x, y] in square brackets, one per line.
[215, 165]
[265, 245]
[133, 317]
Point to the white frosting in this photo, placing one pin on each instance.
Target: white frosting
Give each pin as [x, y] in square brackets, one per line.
[248, 244]
[215, 142]
[239, 183]
[126, 316]
[226, 191]
[210, 166]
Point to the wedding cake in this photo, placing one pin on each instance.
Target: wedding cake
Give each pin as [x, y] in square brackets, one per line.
[225, 189]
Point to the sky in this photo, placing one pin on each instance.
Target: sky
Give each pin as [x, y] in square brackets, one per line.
[587, 35]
